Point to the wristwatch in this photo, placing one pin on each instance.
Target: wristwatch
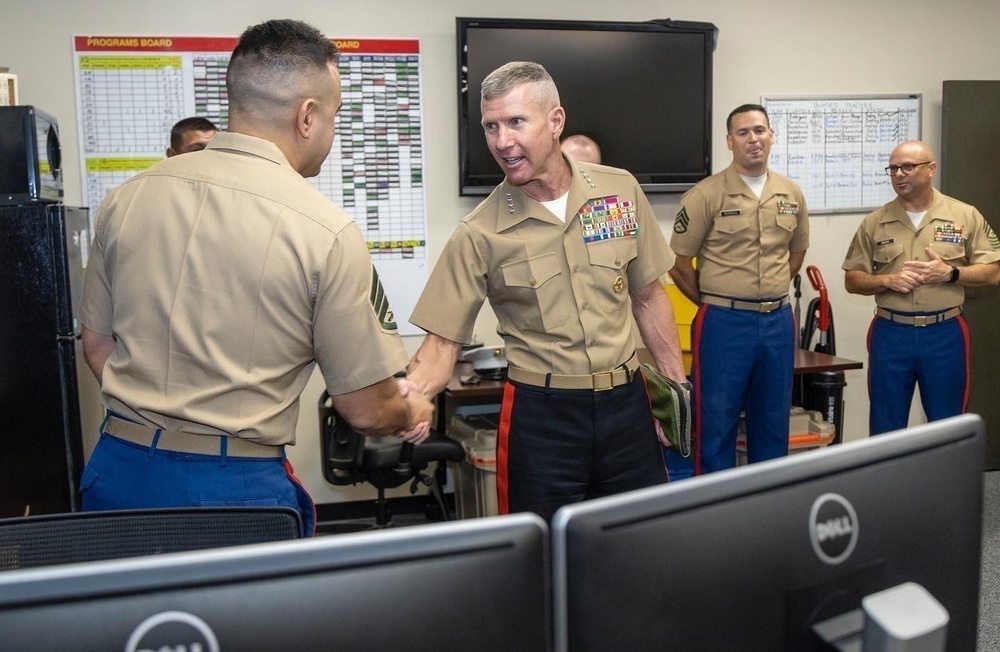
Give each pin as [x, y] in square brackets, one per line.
[954, 275]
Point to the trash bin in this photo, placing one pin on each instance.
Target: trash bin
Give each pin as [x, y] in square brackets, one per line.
[475, 476]
[824, 393]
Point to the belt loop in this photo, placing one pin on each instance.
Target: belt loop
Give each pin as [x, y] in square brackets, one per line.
[548, 379]
[107, 417]
[223, 450]
[156, 440]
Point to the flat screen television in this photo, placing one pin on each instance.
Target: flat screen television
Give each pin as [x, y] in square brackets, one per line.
[643, 91]
[752, 558]
[479, 584]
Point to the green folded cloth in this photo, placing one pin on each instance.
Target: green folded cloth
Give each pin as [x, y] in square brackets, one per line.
[671, 404]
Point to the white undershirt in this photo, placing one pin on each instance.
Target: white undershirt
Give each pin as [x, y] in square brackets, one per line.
[557, 206]
[916, 217]
[756, 183]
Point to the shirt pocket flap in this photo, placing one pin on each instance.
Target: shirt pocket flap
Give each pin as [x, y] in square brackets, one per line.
[887, 253]
[615, 254]
[531, 272]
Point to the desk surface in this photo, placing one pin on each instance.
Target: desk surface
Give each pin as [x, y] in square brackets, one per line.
[806, 362]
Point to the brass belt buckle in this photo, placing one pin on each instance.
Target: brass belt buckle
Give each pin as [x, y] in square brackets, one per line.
[766, 306]
[920, 320]
[599, 385]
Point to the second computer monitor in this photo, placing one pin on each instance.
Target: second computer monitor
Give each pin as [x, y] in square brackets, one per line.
[751, 559]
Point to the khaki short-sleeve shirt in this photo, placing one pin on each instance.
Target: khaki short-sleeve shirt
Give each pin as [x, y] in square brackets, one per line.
[742, 242]
[560, 291]
[886, 239]
[225, 277]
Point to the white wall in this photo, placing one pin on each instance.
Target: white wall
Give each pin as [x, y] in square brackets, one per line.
[782, 47]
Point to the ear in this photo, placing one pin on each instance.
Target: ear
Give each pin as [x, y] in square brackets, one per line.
[305, 117]
[170, 152]
[729, 141]
[558, 121]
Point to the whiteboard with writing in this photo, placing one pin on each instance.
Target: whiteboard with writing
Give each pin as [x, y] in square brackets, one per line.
[836, 148]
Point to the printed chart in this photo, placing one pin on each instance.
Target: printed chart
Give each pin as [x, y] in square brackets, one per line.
[131, 90]
[837, 148]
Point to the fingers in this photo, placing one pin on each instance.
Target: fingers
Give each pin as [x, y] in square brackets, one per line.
[659, 434]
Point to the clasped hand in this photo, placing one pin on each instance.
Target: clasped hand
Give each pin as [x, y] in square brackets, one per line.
[421, 413]
[917, 272]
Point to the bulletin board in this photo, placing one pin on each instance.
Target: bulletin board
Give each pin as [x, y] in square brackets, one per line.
[132, 89]
[836, 148]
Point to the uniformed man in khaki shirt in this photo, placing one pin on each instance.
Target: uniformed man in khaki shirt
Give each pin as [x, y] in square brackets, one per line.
[916, 255]
[190, 135]
[217, 281]
[749, 229]
[565, 252]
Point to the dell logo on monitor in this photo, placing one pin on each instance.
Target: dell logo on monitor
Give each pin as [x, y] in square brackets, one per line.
[833, 528]
[175, 631]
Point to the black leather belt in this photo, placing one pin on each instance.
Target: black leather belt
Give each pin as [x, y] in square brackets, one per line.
[185, 442]
[600, 381]
[919, 320]
[742, 304]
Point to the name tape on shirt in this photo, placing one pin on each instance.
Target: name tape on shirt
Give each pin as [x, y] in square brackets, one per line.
[608, 217]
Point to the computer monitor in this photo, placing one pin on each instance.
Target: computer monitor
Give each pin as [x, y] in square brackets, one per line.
[469, 585]
[751, 558]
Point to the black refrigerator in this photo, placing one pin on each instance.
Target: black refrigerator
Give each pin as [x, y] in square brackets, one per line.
[43, 250]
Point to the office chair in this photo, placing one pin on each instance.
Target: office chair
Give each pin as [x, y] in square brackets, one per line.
[383, 462]
[45, 540]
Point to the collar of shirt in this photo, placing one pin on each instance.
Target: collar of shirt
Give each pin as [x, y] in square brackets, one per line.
[515, 206]
[248, 145]
[939, 210]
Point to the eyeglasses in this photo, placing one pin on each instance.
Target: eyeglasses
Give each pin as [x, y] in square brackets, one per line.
[907, 168]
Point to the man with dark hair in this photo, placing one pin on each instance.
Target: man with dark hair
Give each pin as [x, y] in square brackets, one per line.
[749, 229]
[916, 255]
[217, 282]
[564, 256]
[190, 135]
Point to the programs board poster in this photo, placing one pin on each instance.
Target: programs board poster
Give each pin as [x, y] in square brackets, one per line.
[132, 89]
[837, 147]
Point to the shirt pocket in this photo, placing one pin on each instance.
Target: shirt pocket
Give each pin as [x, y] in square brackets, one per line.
[787, 222]
[731, 223]
[952, 252]
[534, 299]
[609, 261]
[886, 257]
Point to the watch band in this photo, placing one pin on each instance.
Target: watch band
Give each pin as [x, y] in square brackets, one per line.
[954, 275]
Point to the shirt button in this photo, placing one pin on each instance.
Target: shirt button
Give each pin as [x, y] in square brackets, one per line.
[585, 305]
[532, 282]
[576, 269]
[592, 343]
[618, 262]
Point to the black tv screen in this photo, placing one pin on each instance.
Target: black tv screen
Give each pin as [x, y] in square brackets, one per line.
[643, 91]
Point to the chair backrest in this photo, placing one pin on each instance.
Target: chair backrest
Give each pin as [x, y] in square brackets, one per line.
[342, 447]
[45, 540]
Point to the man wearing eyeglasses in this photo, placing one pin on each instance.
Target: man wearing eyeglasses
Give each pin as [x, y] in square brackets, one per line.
[916, 255]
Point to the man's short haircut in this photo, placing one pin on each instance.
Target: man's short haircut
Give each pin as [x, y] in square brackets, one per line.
[271, 57]
[189, 124]
[745, 108]
[505, 78]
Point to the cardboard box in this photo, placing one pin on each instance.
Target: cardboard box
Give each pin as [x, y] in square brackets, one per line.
[8, 89]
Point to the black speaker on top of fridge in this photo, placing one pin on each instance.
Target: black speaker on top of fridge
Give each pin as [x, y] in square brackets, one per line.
[43, 249]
